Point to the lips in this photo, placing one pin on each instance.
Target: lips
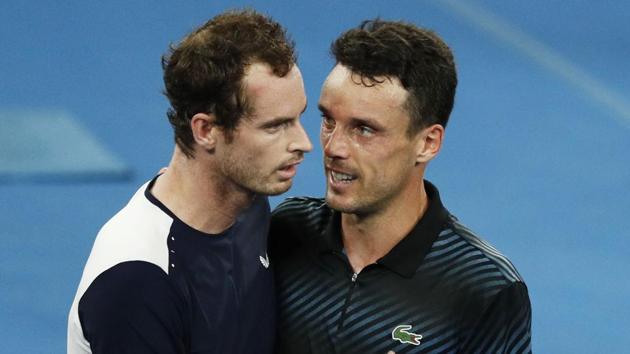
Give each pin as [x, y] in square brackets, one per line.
[288, 170]
[291, 164]
[340, 177]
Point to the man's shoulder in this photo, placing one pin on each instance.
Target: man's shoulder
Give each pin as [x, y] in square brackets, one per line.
[136, 214]
[471, 262]
[131, 282]
[298, 221]
[300, 206]
[128, 301]
[490, 294]
[301, 211]
[137, 232]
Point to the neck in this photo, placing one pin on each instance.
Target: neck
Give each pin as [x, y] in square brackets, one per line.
[195, 191]
[367, 238]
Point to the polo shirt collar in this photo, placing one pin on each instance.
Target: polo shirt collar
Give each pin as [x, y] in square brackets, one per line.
[407, 256]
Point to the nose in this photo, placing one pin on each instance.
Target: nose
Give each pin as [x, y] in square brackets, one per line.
[301, 142]
[334, 143]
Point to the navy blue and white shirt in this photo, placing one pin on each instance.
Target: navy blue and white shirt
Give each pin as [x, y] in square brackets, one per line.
[153, 284]
[441, 289]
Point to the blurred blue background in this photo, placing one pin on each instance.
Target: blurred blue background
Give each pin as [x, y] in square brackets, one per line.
[533, 161]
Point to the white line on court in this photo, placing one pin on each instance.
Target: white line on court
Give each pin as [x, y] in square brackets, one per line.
[543, 55]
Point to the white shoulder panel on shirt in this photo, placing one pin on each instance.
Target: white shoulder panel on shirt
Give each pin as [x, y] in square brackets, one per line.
[138, 232]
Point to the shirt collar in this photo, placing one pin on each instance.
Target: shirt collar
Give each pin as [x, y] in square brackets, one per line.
[407, 256]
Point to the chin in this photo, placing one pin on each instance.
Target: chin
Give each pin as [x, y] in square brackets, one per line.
[350, 205]
[335, 203]
[278, 188]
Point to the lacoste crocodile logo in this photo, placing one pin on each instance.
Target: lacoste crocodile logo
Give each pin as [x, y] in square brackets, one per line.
[401, 334]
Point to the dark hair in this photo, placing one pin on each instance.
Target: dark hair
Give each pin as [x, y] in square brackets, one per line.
[417, 57]
[203, 73]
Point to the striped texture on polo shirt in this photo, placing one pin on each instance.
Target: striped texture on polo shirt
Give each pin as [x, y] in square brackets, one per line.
[466, 297]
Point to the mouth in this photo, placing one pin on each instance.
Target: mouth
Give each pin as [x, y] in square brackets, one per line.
[339, 178]
[292, 163]
[288, 170]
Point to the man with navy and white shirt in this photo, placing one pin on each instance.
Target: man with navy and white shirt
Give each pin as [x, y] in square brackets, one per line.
[183, 268]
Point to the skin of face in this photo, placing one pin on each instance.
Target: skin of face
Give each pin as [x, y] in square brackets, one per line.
[269, 143]
[370, 160]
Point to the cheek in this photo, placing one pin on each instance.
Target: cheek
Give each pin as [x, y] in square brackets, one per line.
[388, 164]
[247, 154]
[269, 156]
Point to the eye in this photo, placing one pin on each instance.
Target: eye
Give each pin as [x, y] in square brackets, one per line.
[285, 124]
[366, 131]
[327, 122]
[273, 128]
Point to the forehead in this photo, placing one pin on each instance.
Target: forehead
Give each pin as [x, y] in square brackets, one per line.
[343, 90]
[272, 96]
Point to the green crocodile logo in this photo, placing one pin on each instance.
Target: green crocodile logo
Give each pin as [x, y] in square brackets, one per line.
[401, 334]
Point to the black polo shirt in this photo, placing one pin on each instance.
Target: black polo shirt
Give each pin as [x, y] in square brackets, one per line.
[441, 289]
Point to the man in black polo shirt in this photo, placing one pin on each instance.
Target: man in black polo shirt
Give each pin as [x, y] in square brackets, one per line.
[380, 265]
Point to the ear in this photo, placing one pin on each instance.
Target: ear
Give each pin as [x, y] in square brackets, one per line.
[204, 130]
[429, 143]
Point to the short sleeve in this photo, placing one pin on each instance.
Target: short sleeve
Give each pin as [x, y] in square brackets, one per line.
[505, 325]
[133, 308]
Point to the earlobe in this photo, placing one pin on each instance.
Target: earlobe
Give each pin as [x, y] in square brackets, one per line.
[204, 130]
[430, 142]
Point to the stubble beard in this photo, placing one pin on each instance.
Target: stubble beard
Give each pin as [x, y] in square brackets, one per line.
[245, 175]
[362, 202]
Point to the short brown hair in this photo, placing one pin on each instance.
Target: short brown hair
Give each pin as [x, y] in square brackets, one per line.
[418, 57]
[203, 73]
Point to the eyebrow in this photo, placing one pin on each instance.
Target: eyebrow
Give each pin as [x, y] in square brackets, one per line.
[281, 120]
[355, 120]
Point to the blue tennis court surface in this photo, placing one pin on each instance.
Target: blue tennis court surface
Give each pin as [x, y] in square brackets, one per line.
[535, 158]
